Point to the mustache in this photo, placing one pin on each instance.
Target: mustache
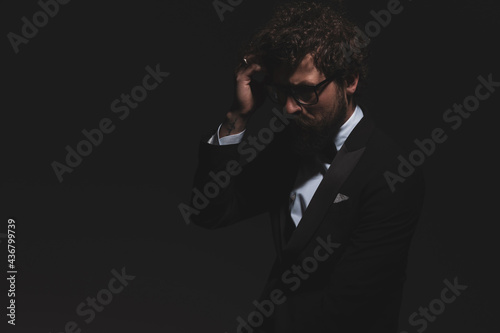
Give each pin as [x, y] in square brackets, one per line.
[305, 123]
[312, 136]
[313, 127]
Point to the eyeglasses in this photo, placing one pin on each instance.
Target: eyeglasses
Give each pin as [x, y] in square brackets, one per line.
[303, 94]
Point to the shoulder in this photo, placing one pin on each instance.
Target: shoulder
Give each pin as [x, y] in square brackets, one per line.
[384, 169]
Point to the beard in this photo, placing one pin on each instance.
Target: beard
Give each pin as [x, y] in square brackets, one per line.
[316, 137]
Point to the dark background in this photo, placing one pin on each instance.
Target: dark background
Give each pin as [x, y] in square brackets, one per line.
[119, 208]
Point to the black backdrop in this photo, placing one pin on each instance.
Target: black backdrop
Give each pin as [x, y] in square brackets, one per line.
[119, 207]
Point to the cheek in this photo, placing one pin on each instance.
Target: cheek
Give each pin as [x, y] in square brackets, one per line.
[328, 100]
[313, 112]
[327, 104]
[324, 108]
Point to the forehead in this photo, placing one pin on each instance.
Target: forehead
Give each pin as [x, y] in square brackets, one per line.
[305, 73]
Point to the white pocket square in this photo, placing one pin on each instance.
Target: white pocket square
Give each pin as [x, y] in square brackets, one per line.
[340, 197]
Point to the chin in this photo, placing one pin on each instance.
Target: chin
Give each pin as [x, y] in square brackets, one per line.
[311, 136]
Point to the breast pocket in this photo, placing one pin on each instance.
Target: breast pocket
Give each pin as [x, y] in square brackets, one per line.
[340, 218]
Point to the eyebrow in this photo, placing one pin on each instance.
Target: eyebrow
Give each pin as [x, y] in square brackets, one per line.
[303, 83]
[300, 84]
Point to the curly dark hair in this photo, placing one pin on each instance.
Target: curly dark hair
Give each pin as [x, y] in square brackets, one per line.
[299, 28]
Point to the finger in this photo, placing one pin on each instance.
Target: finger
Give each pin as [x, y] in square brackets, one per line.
[252, 69]
[247, 65]
[243, 64]
[250, 59]
[245, 73]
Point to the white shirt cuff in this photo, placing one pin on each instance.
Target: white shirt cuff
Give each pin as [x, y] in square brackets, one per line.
[227, 140]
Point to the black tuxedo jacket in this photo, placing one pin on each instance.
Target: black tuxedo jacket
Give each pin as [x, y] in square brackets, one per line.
[343, 268]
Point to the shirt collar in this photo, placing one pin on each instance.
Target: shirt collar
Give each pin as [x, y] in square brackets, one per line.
[347, 127]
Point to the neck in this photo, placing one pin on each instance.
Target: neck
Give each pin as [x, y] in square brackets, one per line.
[350, 110]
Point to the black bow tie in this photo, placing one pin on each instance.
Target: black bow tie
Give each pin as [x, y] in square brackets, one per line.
[328, 153]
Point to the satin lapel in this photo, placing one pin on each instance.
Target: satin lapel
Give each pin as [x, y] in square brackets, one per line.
[278, 217]
[277, 225]
[340, 168]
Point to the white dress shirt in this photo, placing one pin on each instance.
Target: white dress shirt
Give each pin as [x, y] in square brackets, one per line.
[309, 175]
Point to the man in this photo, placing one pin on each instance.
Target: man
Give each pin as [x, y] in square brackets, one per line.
[341, 234]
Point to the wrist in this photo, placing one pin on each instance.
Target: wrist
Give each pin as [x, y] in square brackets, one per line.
[234, 123]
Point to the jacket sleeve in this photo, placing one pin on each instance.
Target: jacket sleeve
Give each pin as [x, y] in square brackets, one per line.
[232, 183]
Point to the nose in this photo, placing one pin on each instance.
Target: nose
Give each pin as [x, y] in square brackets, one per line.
[291, 106]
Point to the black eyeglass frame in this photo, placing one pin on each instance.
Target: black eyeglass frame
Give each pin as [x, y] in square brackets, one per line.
[289, 91]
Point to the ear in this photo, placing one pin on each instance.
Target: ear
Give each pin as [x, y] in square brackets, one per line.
[351, 84]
